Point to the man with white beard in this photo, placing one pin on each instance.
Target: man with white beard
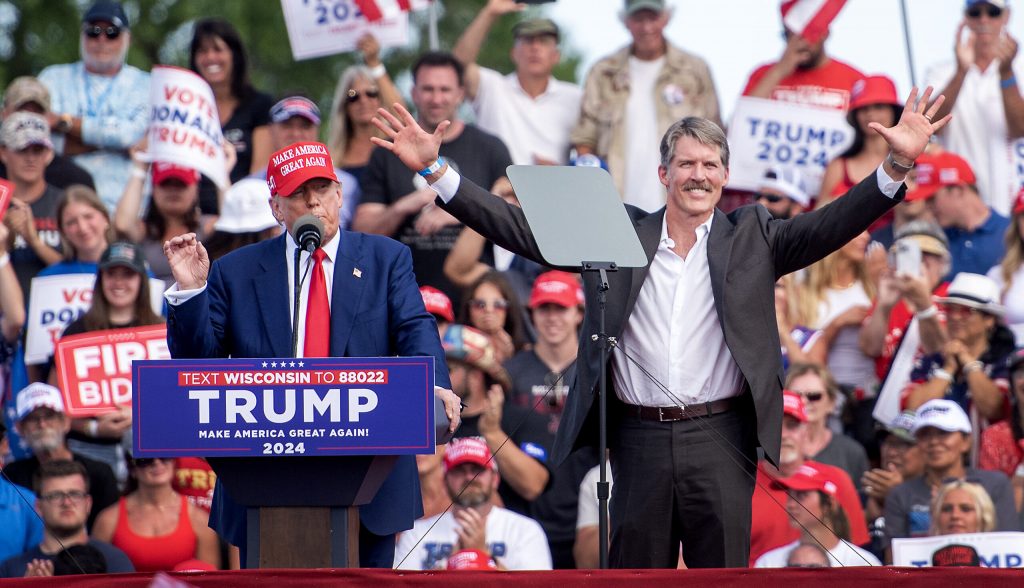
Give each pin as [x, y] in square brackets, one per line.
[99, 106]
[769, 525]
[43, 426]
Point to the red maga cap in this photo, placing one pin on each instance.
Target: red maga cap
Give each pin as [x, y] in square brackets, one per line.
[437, 303]
[937, 170]
[556, 287]
[296, 164]
[472, 560]
[808, 477]
[793, 405]
[163, 171]
[468, 450]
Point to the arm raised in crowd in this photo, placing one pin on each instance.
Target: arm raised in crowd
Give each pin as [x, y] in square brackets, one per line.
[370, 48]
[467, 48]
[12, 303]
[1013, 102]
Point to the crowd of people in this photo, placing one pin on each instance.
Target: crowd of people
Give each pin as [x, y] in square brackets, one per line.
[921, 315]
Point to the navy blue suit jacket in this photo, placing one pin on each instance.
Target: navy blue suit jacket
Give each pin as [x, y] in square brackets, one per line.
[244, 312]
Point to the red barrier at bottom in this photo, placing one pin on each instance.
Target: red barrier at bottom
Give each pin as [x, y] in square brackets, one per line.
[791, 578]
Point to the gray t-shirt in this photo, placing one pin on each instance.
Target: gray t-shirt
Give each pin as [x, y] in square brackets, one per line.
[908, 506]
[845, 453]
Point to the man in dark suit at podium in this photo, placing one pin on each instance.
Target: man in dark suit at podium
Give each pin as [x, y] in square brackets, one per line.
[698, 319]
[360, 300]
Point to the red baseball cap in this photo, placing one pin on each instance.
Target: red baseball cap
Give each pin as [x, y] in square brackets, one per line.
[937, 170]
[296, 164]
[793, 405]
[437, 303]
[1018, 205]
[808, 477]
[468, 450]
[556, 287]
[472, 560]
[873, 90]
[163, 171]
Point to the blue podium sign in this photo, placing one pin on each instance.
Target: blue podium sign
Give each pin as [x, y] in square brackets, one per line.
[270, 407]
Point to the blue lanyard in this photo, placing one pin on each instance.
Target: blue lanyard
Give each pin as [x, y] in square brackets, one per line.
[91, 109]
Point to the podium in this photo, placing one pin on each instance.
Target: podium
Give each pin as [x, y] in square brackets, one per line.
[300, 444]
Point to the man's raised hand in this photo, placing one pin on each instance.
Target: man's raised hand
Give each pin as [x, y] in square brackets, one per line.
[415, 147]
[909, 137]
[190, 264]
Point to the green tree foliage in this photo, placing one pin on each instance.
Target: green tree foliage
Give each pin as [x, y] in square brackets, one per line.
[43, 32]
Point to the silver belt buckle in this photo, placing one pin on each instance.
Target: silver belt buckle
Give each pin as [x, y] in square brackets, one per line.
[661, 416]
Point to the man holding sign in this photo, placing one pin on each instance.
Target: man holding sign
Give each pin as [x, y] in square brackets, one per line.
[361, 300]
[718, 353]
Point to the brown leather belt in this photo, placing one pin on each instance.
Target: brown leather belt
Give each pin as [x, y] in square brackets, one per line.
[678, 413]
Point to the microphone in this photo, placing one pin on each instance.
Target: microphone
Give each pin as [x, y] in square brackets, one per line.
[308, 231]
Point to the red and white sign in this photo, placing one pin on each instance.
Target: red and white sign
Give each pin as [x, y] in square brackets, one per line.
[6, 191]
[375, 10]
[184, 125]
[329, 27]
[810, 18]
[94, 370]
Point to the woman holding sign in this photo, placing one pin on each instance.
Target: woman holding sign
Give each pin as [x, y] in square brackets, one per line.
[120, 300]
[361, 90]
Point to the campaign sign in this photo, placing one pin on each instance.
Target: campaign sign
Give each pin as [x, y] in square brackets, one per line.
[94, 370]
[6, 191]
[184, 124]
[994, 550]
[326, 27]
[56, 301]
[264, 407]
[767, 133]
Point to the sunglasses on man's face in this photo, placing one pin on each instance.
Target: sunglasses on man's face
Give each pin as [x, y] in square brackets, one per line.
[990, 10]
[353, 95]
[94, 31]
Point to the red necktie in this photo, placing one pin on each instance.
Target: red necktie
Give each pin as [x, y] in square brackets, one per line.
[318, 312]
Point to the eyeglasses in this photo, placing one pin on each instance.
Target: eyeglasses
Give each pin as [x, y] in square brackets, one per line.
[145, 462]
[94, 31]
[58, 497]
[812, 396]
[353, 95]
[39, 417]
[477, 304]
[990, 10]
[772, 198]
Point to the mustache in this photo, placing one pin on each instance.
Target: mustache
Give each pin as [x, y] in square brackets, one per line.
[697, 186]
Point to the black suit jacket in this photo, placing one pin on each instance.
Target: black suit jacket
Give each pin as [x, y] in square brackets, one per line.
[748, 252]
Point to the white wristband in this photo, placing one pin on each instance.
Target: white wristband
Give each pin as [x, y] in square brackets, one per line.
[927, 313]
[378, 71]
[138, 173]
[942, 374]
[92, 428]
[5, 259]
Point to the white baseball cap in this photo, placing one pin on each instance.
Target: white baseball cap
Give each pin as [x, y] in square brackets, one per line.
[789, 181]
[942, 414]
[37, 395]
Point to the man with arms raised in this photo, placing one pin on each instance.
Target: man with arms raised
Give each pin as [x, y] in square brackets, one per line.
[698, 318]
[241, 307]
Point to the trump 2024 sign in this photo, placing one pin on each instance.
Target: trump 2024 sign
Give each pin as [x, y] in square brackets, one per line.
[290, 406]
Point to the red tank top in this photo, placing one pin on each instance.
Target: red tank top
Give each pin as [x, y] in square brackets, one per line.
[844, 186]
[153, 554]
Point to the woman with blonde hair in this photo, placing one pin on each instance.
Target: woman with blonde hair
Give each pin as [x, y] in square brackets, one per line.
[834, 299]
[1009, 274]
[962, 507]
[361, 90]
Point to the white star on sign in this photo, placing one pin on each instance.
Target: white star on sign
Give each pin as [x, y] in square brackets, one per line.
[291, 364]
[273, 364]
[264, 364]
[301, 364]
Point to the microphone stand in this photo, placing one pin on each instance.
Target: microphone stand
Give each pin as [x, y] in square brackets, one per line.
[298, 292]
[605, 342]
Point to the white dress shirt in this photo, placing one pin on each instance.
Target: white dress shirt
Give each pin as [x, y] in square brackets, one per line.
[673, 330]
[176, 296]
[674, 335]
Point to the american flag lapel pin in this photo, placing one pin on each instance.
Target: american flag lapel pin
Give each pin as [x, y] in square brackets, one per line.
[357, 272]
